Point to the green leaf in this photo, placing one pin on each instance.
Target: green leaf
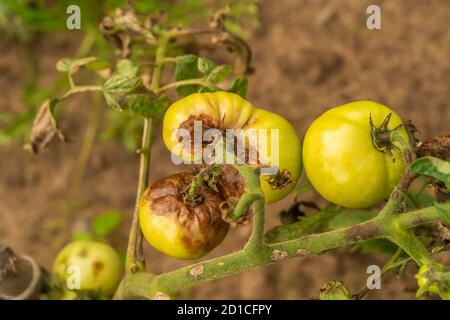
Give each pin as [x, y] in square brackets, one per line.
[400, 266]
[420, 200]
[107, 222]
[126, 68]
[349, 217]
[219, 74]
[382, 246]
[119, 84]
[124, 82]
[73, 65]
[112, 101]
[186, 68]
[63, 65]
[82, 235]
[239, 86]
[205, 65]
[305, 225]
[433, 167]
[146, 106]
[207, 89]
[444, 213]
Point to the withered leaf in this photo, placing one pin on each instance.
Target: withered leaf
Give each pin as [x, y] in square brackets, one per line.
[44, 127]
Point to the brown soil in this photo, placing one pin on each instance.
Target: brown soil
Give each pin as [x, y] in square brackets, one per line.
[309, 56]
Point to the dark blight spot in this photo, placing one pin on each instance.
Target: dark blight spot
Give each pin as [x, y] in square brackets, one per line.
[83, 253]
[97, 268]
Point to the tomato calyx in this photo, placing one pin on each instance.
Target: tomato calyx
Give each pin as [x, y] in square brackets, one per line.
[280, 180]
[203, 176]
[227, 181]
[381, 136]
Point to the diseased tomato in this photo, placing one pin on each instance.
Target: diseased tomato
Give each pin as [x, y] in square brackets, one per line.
[341, 160]
[88, 265]
[180, 228]
[261, 130]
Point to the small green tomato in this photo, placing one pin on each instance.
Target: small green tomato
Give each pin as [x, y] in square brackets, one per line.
[89, 265]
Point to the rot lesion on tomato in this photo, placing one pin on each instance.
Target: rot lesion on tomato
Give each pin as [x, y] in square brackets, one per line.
[193, 205]
[241, 147]
[280, 180]
[206, 123]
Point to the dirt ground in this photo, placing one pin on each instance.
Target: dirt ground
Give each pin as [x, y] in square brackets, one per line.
[309, 56]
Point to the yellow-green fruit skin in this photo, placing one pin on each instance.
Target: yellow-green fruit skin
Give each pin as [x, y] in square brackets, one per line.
[98, 264]
[167, 237]
[341, 161]
[175, 228]
[224, 110]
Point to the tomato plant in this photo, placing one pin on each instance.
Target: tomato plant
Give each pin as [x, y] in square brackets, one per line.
[355, 156]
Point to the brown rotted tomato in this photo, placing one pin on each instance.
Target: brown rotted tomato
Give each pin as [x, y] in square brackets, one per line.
[179, 228]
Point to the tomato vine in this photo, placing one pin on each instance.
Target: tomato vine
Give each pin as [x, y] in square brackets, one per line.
[139, 87]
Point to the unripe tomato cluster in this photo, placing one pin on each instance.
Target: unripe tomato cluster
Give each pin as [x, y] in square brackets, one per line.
[228, 111]
[340, 157]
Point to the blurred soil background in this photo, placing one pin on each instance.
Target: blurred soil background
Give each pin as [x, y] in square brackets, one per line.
[308, 56]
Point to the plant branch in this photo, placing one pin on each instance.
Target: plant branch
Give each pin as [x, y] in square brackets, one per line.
[171, 283]
[177, 33]
[422, 216]
[135, 258]
[198, 81]
[80, 89]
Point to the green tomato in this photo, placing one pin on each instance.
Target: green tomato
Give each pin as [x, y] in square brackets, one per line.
[89, 265]
[341, 161]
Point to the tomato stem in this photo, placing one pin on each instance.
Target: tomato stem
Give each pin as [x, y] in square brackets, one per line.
[381, 136]
[172, 283]
[135, 261]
